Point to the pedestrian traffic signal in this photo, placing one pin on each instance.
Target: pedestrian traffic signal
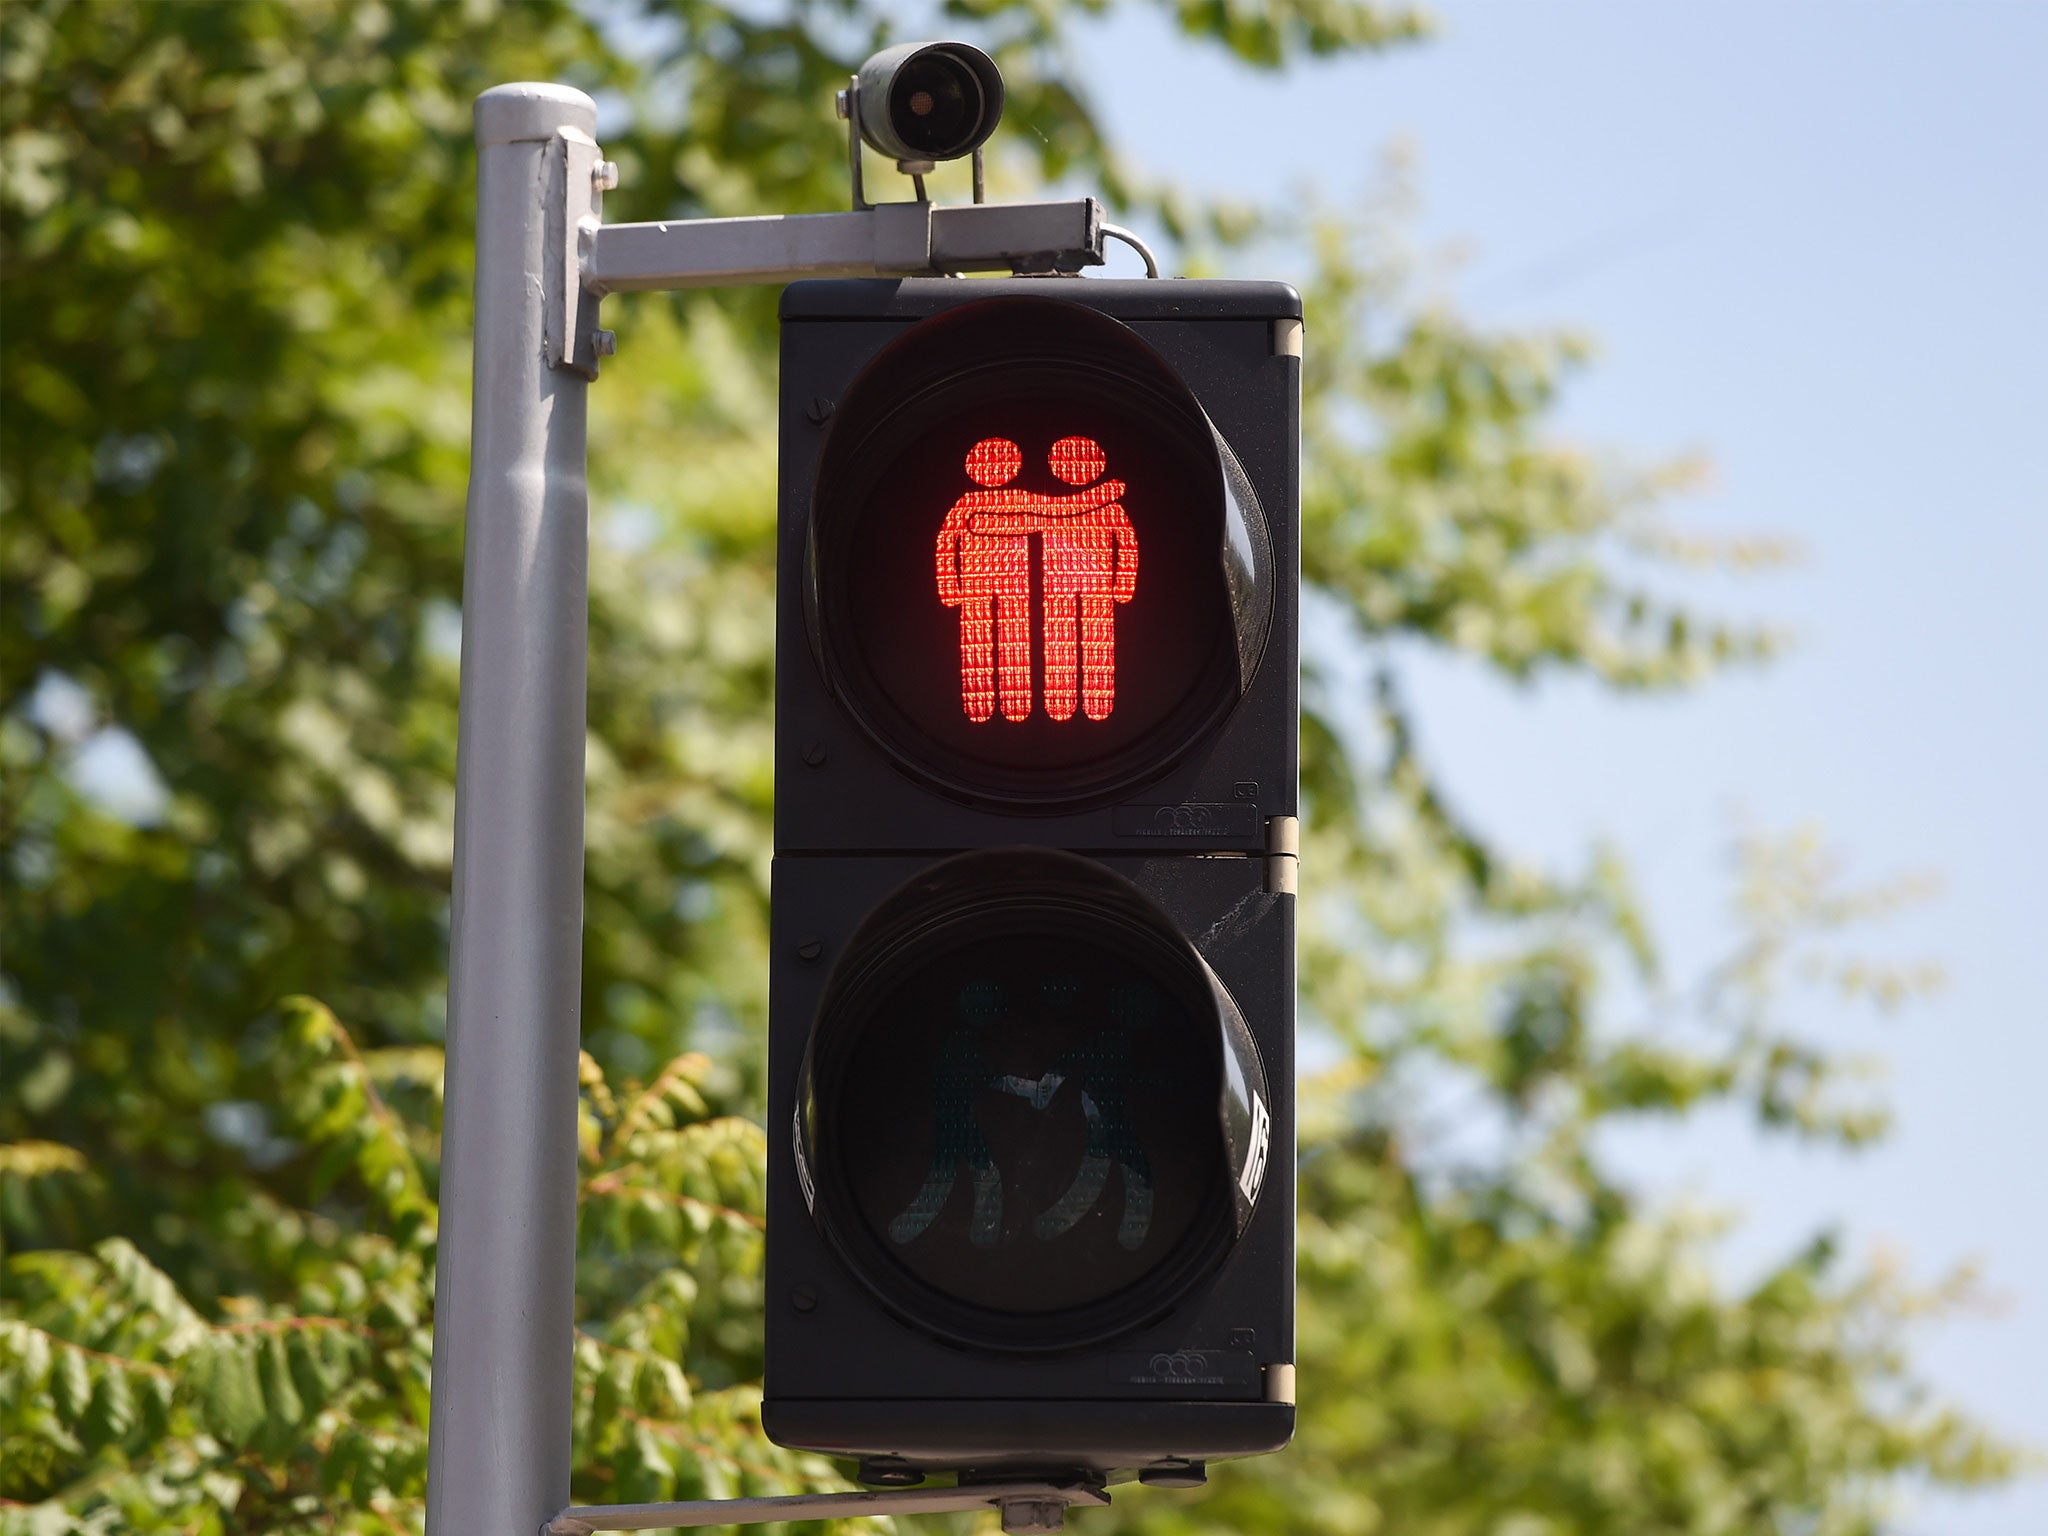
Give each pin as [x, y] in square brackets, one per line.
[1031, 1037]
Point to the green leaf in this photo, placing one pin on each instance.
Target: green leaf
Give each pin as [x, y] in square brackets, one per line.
[281, 1401]
[70, 1384]
[112, 1412]
[229, 1392]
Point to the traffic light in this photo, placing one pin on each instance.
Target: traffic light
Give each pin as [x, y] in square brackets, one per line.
[1031, 1050]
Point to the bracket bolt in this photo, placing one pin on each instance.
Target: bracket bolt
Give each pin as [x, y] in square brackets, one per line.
[887, 1472]
[810, 950]
[1034, 1517]
[605, 175]
[819, 411]
[604, 343]
[815, 755]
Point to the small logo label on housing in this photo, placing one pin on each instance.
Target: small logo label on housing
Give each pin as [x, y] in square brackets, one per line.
[1217, 821]
[1185, 1368]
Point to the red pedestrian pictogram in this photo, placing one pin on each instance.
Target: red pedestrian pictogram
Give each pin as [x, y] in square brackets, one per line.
[1088, 563]
[1089, 559]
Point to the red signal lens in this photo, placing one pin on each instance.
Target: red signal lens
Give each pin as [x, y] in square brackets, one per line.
[980, 505]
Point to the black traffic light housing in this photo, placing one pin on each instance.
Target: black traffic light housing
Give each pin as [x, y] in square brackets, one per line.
[1032, 997]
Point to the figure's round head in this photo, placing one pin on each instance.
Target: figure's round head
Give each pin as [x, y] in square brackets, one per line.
[994, 461]
[1078, 460]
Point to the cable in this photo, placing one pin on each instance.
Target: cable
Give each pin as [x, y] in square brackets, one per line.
[1118, 232]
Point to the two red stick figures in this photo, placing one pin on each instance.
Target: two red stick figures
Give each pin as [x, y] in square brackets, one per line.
[1089, 563]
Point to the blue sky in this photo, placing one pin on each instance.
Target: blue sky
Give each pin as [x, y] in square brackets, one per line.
[1812, 242]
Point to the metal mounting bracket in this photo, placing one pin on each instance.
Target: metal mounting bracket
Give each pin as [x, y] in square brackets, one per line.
[569, 313]
[849, 109]
[1283, 878]
[883, 240]
[1027, 1509]
[585, 258]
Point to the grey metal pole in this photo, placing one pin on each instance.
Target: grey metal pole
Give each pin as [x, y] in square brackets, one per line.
[504, 1295]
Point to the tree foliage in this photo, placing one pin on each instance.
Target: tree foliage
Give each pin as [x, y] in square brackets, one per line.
[236, 244]
[305, 1407]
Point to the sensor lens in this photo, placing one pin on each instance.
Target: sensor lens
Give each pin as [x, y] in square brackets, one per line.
[935, 105]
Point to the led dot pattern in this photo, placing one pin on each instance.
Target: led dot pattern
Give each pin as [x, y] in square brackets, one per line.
[1087, 556]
